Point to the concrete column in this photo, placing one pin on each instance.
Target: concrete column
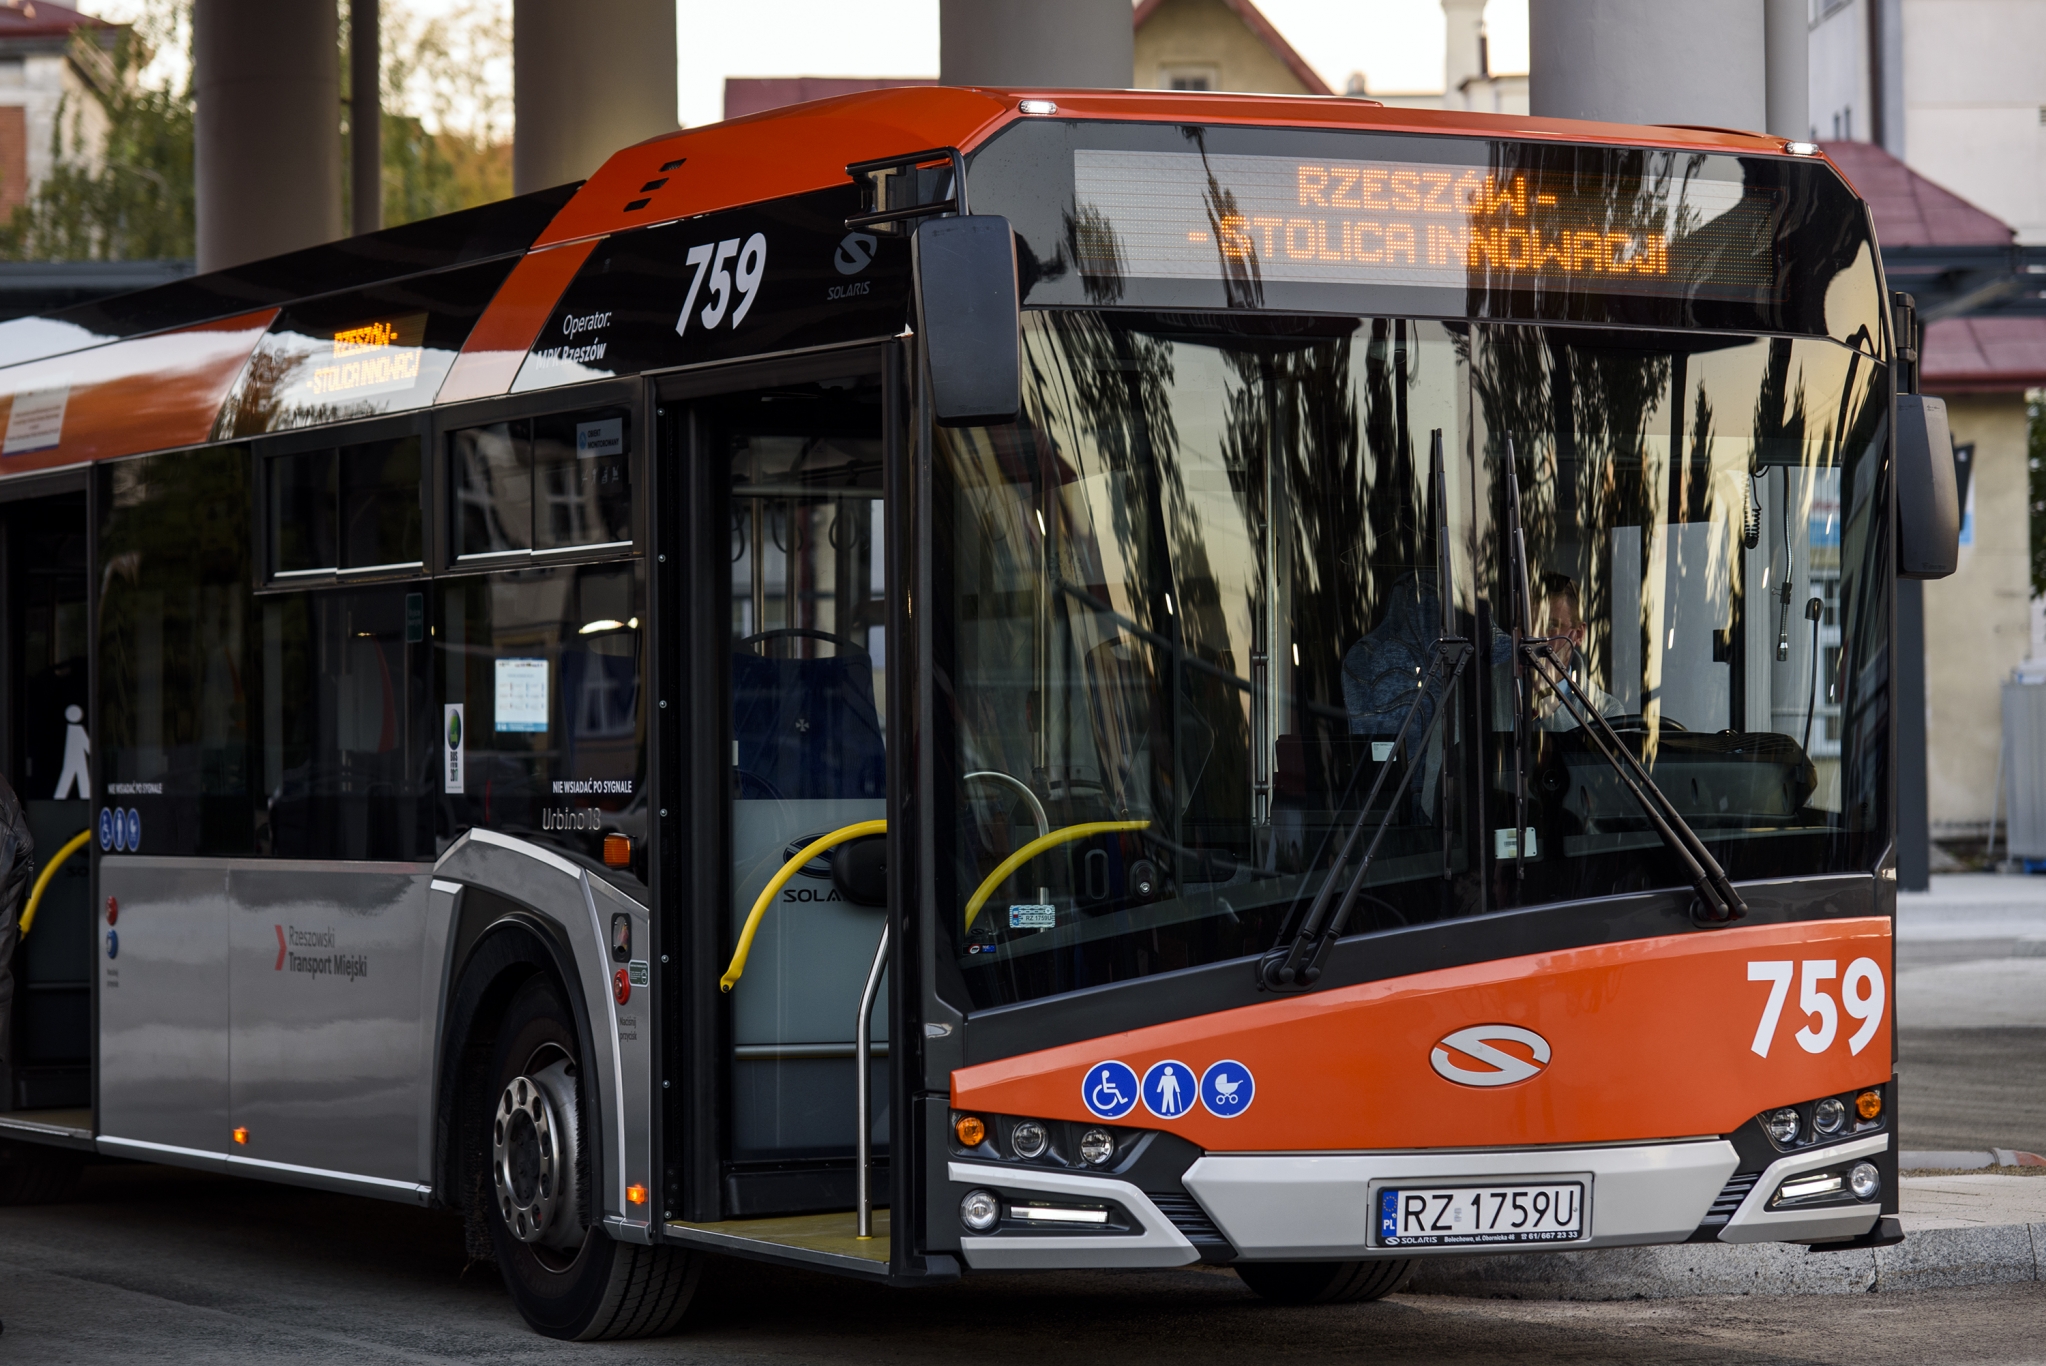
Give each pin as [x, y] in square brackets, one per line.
[267, 82]
[1036, 43]
[587, 79]
[1787, 40]
[365, 118]
[1462, 56]
[1698, 62]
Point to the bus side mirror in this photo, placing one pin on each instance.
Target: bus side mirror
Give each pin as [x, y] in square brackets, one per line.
[1928, 505]
[970, 318]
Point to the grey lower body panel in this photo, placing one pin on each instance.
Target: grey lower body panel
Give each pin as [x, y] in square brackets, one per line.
[1755, 1222]
[1304, 1206]
[1159, 1244]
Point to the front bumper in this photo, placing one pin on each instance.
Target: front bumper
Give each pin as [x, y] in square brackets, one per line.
[1320, 1206]
[1309, 1206]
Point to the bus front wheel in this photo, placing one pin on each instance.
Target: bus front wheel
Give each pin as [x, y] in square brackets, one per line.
[1323, 1282]
[568, 1277]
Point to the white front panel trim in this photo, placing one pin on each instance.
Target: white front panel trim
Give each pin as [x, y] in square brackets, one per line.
[1755, 1222]
[1160, 1244]
[1304, 1205]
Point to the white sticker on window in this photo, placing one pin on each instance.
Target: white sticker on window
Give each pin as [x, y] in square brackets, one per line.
[1038, 917]
[522, 694]
[36, 421]
[593, 439]
[1503, 843]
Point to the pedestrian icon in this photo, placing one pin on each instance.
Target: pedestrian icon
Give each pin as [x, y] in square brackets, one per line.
[1169, 1089]
[1227, 1088]
[1110, 1089]
[77, 774]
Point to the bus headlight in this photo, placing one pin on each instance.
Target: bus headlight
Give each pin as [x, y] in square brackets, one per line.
[1028, 1139]
[1828, 1115]
[1782, 1125]
[980, 1211]
[1864, 1180]
[1097, 1146]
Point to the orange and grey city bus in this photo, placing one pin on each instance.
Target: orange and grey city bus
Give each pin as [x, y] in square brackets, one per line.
[948, 680]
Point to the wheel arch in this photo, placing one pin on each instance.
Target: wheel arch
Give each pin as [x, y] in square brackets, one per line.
[506, 908]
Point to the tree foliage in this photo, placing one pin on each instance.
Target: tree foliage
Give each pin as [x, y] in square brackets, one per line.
[129, 198]
[446, 134]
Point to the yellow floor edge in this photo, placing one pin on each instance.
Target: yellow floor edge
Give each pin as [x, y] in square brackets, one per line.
[827, 1233]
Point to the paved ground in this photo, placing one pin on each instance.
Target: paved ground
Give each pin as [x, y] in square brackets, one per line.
[153, 1265]
[157, 1266]
[1971, 1018]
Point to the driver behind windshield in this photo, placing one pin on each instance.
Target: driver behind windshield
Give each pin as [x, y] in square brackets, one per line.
[1562, 622]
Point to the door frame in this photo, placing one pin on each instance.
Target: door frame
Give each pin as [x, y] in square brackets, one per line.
[691, 671]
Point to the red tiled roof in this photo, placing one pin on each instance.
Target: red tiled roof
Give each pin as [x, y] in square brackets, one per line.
[1962, 355]
[1253, 19]
[758, 94]
[35, 19]
[1983, 355]
[1911, 211]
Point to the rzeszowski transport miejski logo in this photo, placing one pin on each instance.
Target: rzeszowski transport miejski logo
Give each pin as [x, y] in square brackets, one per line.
[1479, 1044]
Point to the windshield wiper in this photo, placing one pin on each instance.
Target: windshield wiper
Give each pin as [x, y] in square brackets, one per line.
[1297, 964]
[1718, 903]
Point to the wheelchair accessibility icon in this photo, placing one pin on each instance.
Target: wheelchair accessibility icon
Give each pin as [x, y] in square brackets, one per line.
[1110, 1089]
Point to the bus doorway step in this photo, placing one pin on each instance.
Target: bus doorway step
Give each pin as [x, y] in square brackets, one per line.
[818, 1240]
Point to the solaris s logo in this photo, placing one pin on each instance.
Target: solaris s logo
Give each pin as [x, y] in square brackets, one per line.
[1478, 1043]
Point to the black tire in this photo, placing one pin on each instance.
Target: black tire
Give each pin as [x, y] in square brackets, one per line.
[601, 1288]
[1324, 1282]
[31, 1174]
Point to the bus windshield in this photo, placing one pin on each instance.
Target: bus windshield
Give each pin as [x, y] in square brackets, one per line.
[1186, 602]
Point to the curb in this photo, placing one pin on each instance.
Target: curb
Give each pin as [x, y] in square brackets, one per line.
[1968, 1161]
[1933, 1259]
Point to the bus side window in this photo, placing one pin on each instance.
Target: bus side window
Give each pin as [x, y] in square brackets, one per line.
[555, 482]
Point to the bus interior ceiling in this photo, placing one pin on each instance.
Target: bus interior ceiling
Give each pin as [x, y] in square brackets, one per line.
[46, 759]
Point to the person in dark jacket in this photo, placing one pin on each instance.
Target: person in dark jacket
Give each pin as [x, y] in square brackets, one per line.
[17, 866]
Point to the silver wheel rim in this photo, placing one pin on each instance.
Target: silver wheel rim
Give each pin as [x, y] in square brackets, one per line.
[532, 1157]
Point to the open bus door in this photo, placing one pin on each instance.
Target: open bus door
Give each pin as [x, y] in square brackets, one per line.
[44, 688]
[776, 490]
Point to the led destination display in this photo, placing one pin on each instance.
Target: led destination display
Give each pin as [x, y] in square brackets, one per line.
[1411, 223]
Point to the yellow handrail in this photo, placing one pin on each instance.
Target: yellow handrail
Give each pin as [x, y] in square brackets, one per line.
[779, 880]
[35, 896]
[1063, 835]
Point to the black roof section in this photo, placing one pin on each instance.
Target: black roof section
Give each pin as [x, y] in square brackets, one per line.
[499, 229]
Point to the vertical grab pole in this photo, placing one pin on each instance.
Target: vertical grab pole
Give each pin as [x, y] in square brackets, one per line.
[863, 1086]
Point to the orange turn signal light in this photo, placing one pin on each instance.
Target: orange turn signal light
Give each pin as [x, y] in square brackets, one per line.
[636, 1194]
[971, 1130]
[241, 1135]
[1868, 1104]
[617, 850]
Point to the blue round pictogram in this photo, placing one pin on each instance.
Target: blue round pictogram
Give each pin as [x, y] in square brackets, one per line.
[1169, 1089]
[1110, 1089]
[106, 829]
[1227, 1088]
[113, 943]
[134, 830]
[120, 831]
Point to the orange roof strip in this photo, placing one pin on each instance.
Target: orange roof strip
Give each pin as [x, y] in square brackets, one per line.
[807, 146]
[498, 343]
[142, 394]
[766, 156]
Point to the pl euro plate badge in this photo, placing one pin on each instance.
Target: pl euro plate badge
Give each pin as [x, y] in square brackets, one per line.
[1476, 1216]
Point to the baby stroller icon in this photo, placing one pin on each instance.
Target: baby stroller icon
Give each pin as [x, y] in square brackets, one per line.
[1226, 1090]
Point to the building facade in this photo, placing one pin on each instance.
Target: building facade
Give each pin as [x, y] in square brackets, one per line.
[47, 80]
[1936, 109]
